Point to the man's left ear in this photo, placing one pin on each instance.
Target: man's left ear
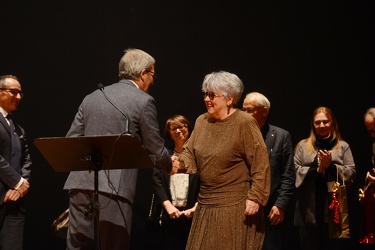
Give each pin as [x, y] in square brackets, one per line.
[143, 73]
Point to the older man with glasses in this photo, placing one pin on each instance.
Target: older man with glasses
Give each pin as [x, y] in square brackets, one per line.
[15, 166]
[121, 107]
[280, 151]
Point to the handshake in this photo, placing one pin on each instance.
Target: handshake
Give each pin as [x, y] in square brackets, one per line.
[176, 165]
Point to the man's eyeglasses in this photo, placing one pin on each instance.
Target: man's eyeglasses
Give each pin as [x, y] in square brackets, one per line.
[154, 75]
[181, 127]
[211, 95]
[251, 110]
[13, 92]
[371, 131]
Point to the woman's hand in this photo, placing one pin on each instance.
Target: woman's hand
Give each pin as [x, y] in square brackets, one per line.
[325, 160]
[172, 211]
[189, 213]
[251, 207]
[276, 215]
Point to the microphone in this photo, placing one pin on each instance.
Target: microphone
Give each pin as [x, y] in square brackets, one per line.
[101, 88]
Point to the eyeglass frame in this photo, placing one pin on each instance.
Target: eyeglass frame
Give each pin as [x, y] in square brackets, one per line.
[211, 95]
[13, 92]
[153, 74]
[251, 110]
[181, 127]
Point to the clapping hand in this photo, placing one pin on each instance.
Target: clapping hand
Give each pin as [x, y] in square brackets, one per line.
[324, 159]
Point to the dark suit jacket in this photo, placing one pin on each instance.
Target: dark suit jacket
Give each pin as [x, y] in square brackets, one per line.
[280, 150]
[9, 177]
[97, 116]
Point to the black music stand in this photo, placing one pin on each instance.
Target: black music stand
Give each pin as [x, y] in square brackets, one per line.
[94, 153]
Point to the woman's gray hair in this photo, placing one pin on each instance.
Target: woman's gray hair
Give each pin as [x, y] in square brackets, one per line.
[133, 62]
[225, 83]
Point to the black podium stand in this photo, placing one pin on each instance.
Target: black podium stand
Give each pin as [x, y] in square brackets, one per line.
[94, 153]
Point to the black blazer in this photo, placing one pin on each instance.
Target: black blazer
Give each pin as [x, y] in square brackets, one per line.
[9, 177]
[280, 150]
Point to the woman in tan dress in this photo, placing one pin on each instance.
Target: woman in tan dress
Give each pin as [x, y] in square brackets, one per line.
[227, 149]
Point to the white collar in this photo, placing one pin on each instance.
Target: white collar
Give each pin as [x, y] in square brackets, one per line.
[134, 83]
[3, 112]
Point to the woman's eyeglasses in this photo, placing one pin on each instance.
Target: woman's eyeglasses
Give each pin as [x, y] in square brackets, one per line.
[180, 127]
[211, 95]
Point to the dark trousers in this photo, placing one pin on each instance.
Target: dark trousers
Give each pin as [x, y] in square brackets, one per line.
[12, 221]
[175, 233]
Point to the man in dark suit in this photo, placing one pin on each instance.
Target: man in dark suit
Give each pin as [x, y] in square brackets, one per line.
[280, 150]
[98, 116]
[15, 166]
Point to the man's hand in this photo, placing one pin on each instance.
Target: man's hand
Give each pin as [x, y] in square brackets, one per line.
[12, 195]
[24, 188]
[175, 165]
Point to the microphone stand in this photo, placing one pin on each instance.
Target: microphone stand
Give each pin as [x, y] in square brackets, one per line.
[92, 212]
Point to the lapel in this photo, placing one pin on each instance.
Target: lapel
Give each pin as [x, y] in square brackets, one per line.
[4, 123]
[270, 139]
[17, 130]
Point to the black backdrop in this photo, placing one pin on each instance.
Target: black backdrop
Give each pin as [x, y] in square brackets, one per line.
[300, 54]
